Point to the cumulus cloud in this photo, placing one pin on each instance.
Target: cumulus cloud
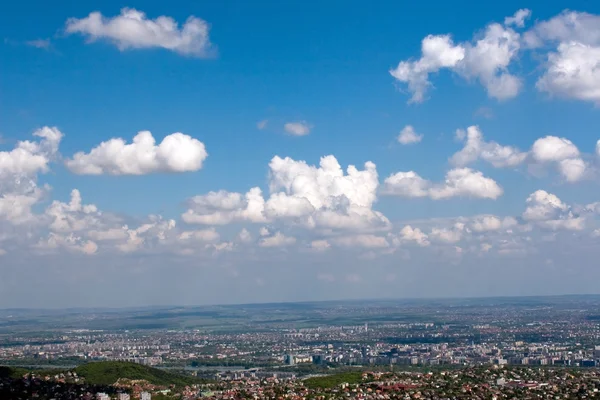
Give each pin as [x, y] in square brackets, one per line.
[133, 30]
[72, 216]
[459, 182]
[475, 148]
[490, 223]
[221, 208]
[313, 196]
[277, 240]
[176, 153]
[320, 245]
[572, 70]
[485, 59]
[366, 241]
[518, 19]
[563, 153]
[437, 52]
[548, 211]
[19, 169]
[415, 235]
[31, 157]
[448, 235]
[409, 136]
[300, 128]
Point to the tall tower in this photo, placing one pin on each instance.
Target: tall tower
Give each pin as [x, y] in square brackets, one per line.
[366, 327]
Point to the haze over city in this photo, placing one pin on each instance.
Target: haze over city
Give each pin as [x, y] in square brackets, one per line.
[188, 153]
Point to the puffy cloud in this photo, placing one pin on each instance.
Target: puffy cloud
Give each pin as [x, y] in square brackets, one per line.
[459, 182]
[320, 245]
[598, 148]
[573, 72]
[244, 236]
[568, 26]
[277, 240]
[446, 235]
[486, 59]
[260, 125]
[203, 235]
[367, 241]
[133, 30]
[518, 19]
[563, 152]
[437, 52]
[221, 208]
[315, 197]
[19, 168]
[489, 223]
[28, 157]
[69, 242]
[73, 216]
[415, 235]
[548, 211]
[477, 148]
[300, 128]
[176, 153]
[409, 136]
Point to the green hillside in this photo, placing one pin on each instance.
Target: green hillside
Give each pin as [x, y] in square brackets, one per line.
[331, 381]
[11, 372]
[108, 372]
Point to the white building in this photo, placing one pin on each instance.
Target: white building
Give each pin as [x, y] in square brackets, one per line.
[145, 396]
[102, 396]
[123, 396]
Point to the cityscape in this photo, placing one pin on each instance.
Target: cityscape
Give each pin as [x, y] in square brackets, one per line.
[371, 346]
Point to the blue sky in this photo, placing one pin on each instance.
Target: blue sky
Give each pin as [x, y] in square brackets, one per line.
[326, 67]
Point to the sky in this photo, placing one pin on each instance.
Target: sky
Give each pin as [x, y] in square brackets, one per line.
[158, 153]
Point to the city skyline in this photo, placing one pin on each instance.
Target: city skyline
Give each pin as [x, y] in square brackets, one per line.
[253, 153]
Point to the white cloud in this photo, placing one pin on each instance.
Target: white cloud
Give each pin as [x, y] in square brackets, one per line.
[73, 216]
[19, 168]
[477, 148]
[320, 245]
[366, 241]
[69, 242]
[300, 128]
[573, 72]
[176, 153]
[445, 235]
[563, 152]
[598, 148]
[133, 30]
[548, 211]
[29, 158]
[568, 26]
[436, 52]
[518, 19]
[277, 240]
[314, 197]
[260, 125]
[410, 234]
[244, 236]
[221, 208]
[409, 136]
[489, 223]
[459, 182]
[486, 59]
[202, 235]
